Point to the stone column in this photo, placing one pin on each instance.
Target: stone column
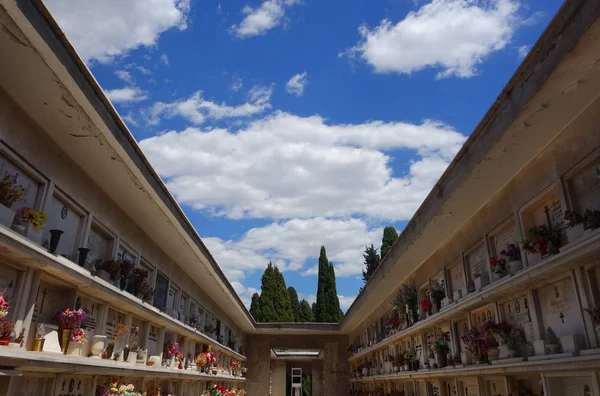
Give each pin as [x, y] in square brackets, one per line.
[317, 378]
[258, 352]
[336, 367]
[278, 377]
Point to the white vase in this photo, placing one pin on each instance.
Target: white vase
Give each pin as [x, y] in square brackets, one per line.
[3, 314]
[515, 266]
[6, 216]
[132, 358]
[98, 344]
[74, 349]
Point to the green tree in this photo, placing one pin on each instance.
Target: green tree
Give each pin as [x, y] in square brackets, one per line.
[274, 299]
[327, 308]
[295, 303]
[371, 262]
[389, 237]
[255, 308]
[306, 385]
[306, 313]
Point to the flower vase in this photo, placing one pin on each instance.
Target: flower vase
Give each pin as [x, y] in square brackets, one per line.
[406, 367]
[6, 215]
[98, 344]
[4, 341]
[440, 359]
[515, 266]
[54, 240]
[126, 353]
[493, 354]
[74, 349]
[108, 351]
[38, 345]
[3, 314]
[65, 339]
[132, 358]
[83, 253]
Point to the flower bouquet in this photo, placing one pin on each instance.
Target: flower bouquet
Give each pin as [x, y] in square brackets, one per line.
[116, 389]
[3, 306]
[6, 330]
[540, 239]
[31, 216]
[476, 343]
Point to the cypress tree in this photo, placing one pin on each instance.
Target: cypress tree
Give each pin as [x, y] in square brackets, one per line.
[389, 237]
[371, 262]
[255, 308]
[306, 314]
[268, 312]
[327, 308]
[296, 309]
[282, 303]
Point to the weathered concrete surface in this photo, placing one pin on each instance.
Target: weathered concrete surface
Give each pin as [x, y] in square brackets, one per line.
[330, 375]
[278, 377]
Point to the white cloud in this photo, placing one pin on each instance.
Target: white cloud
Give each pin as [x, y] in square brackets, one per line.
[289, 244]
[260, 20]
[346, 301]
[126, 95]
[164, 59]
[297, 83]
[245, 293]
[523, 51]
[104, 29]
[285, 166]
[196, 109]
[451, 35]
[125, 76]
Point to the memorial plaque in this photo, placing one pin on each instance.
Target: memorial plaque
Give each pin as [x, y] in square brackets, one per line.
[98, 243]
[584, 187]
[483, 314]
[477, 263]
[8, 282]
[498, 241]
[559, 308]
[63, 217]
[49, 301]
[92, 309]
[162, 286]
[31, 386]
[457, 279]
[152, 345]
[517, 312]
[112, 319]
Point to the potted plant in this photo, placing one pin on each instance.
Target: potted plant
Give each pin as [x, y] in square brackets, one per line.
[513, 255]
[437, 293]
[78, 338]
[573, 225]
[502, 332]
[489, 330]
[552, 341]
[498, 268]
[28, 222]
[408, 357]
[476, 344]
[112, 268]
[11, 192]
[67, 321]
[442, 348]
[542, 240]
[6, 330]
[516, 340]
[3, 306]
[126, 267]
[426, 306]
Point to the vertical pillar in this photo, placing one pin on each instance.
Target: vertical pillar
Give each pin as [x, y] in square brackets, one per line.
[161, 342]
[28, 308]
[317, 378]
[258, 351]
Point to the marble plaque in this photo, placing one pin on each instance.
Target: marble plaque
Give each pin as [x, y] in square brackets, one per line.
[517, 312]
[483, 314]
[8, 282]
[477, 263]
[31, 386]
[457, 278]
[152, 345]
[559, 308]
[92, 309]
[63, 217]
[112, 319]
[73, 386]
[502, 238]
[162, 286]
[49, 301]
[584, 187]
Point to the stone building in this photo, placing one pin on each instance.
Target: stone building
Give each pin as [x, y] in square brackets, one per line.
[453, 309]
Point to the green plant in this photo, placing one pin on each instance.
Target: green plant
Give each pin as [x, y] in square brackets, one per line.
[441, 344]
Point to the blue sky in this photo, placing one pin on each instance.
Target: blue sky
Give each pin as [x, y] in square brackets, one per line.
[284, 125]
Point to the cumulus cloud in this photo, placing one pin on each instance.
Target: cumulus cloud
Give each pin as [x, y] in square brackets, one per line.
[258, 21]
[101, 30]
[286, 166]
[346, 301]
[126, 95]
[453, 36]
[297, 83]
[289, 244]
[196, 109]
